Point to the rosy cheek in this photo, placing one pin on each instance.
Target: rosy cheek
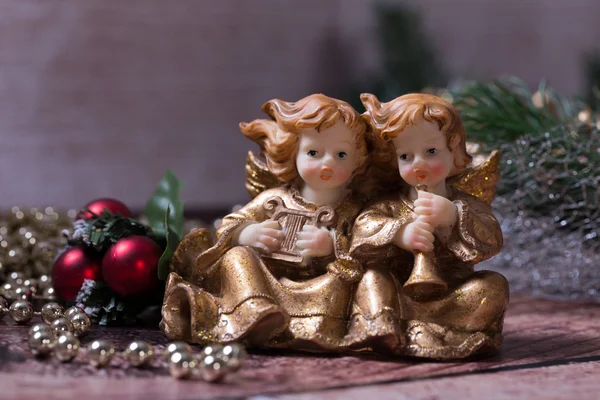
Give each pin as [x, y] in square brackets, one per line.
[309, 168]
[438, 169]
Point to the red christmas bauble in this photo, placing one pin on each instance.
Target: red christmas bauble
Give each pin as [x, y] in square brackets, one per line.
[97, 206]
[70, 269]
[130, 266]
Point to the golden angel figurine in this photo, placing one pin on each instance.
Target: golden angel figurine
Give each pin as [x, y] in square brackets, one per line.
[280, 273]
[419, 244]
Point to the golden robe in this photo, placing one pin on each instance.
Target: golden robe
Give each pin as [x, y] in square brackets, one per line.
[234, 293]
[468, 317]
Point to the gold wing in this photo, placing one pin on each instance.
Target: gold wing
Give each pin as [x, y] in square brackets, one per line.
[480, 180]
[258, 176]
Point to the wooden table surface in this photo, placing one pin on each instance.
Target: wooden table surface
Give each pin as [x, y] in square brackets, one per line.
[551, 351]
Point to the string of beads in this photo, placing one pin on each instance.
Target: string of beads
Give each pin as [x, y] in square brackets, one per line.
[60, 331]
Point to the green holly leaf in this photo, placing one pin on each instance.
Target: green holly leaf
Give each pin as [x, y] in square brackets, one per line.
[173, 239]
[165, 199]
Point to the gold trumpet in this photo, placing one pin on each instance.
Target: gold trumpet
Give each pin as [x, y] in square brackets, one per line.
[424, 281]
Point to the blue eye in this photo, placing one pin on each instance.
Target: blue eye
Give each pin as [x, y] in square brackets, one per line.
[312, 153]
[431, 152]
[342, 154]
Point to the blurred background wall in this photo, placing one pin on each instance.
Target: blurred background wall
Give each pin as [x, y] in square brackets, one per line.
[99, 97]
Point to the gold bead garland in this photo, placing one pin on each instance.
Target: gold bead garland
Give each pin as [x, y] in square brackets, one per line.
[21, 311]
[60, 331]
[51, 312]
[29, 241]
[17, 287]
[66, 347]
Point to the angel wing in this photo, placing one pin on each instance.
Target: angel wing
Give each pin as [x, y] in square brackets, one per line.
[480, 180]
[258, 176]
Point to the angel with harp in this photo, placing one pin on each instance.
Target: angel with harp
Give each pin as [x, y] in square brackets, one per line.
[443, 231]
[280, 273]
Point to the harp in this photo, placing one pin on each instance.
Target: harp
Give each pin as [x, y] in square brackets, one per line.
[292, 221]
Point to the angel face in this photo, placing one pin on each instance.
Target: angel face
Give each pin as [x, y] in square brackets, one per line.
[326, 159]
[423, 154]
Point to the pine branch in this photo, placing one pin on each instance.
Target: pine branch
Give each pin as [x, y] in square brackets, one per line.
[105, 307]
[106, 229]
[501, 111]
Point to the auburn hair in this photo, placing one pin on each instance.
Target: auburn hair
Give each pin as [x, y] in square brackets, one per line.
[388, 120]
[279, 136]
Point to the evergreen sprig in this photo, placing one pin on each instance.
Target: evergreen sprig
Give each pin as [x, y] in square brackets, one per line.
[106, 308]
[550, 160]
[107, 228]
[501, 111]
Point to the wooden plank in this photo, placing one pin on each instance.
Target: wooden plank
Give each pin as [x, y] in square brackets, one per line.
[539, 333]
[579, 381]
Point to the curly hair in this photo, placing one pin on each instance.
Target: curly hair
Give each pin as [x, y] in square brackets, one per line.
[387, 120]
[278, 138]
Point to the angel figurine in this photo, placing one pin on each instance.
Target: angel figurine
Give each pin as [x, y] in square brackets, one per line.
[420, 243]
[280, 273]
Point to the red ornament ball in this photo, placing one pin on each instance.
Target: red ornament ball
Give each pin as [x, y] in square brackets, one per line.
[70, 269]
[99, 205]
[130, 266]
